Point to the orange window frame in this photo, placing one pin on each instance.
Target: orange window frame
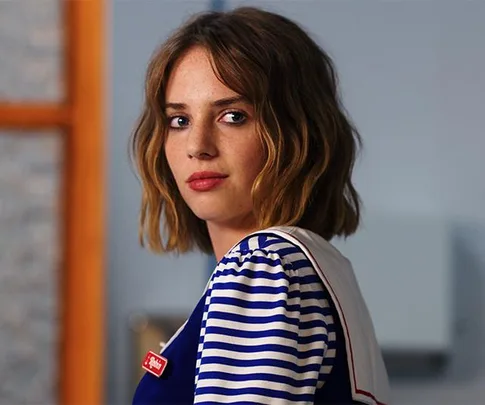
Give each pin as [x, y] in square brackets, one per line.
[81, 120]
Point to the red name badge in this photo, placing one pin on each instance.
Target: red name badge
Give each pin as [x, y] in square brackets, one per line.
[154, 363]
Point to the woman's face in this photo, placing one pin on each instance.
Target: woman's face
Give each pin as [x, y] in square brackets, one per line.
[212, 146]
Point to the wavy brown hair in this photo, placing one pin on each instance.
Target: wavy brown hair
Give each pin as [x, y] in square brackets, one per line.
[309, 141]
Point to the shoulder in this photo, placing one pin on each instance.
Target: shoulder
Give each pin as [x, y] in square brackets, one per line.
[267, 244]
[265, 256]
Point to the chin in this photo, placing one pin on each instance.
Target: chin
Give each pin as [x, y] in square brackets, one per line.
[208, 215]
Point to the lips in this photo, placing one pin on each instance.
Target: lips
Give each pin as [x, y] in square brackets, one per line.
[205, 181]
[205, 175]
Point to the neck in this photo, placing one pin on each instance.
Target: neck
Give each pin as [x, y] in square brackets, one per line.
[224, 237]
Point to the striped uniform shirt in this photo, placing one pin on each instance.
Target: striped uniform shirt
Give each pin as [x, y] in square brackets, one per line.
[267, 332]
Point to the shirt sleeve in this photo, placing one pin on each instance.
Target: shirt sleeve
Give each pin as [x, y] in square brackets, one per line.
[263, 334]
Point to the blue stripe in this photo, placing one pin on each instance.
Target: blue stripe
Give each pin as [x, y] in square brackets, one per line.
[288, 251]
[305, 340]
[301, 339]
[262, 240]
[217, 330]
[258, 320]
[253, 319]
[317, 323]
[261, 274]
[309, 382]
[261, 362]
[255, 274]
[329, 361]
[310, 279]
[273, 240]
[271, 305]
[264, 348]
[255, 304]
[312, 309]
[243, 245]
[254, 391]
[318, 295]
[233, 403]
[255, 260]
[300, 264]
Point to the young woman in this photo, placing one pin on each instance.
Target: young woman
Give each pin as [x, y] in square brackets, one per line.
[244, 151]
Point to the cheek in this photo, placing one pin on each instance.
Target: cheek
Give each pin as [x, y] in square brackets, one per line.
[254, 163]
[174, 160]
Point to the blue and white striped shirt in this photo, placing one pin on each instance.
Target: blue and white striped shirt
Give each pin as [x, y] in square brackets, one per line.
[267, 333]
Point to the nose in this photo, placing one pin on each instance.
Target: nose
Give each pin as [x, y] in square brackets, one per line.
[200, 142]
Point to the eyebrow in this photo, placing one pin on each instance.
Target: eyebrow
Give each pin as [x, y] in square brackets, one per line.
[223, 102]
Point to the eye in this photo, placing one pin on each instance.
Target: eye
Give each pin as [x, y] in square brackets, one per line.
[234, 117]
[178, 122]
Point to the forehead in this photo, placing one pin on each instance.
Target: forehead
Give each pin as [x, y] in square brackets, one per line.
[193, 78]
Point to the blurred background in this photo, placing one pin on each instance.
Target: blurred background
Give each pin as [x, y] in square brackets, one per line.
[413, 80]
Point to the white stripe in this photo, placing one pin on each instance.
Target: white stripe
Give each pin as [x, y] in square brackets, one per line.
[245, 262]
[222, 368]
[297, 257]
[258, 313]
[258, 296]
[326, 370]
[238, 263]
[251, 313]
[312, 287]
[261, 282]
[263, 297]
[236, 268]
[242, 255]
[276, 247]
[252, 327]
[250, 342]
[253, 243]
[253, 342]
[266, 326]
[264, 282]
[223, 399]
[261, 355]
[253, 282]
[276, 386]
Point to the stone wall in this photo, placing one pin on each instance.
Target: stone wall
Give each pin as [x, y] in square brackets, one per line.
[30, 163]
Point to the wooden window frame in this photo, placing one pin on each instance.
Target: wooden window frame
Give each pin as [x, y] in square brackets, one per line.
[81, 121]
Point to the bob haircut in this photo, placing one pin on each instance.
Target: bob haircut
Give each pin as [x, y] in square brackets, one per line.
[309, 142]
